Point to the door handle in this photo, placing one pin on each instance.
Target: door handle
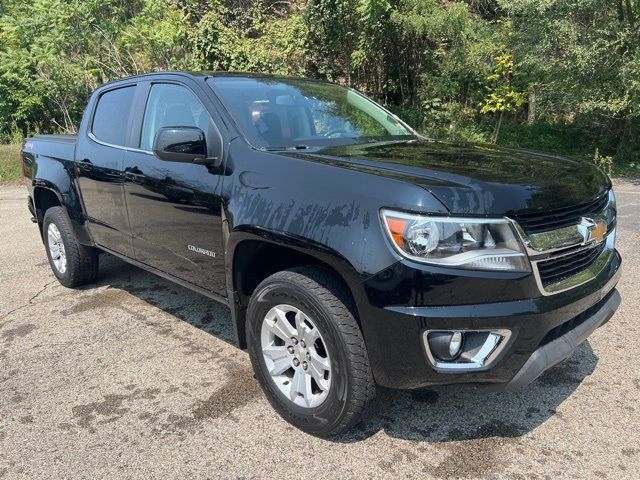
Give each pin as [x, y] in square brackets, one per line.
[85, 165]
[133, 174]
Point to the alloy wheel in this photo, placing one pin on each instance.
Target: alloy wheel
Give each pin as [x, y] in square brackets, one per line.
[296, 355]
[56, 248]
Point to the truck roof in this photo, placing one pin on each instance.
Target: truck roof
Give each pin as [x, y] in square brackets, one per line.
[206, 74]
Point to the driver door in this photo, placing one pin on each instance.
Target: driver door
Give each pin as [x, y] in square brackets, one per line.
[175, 208]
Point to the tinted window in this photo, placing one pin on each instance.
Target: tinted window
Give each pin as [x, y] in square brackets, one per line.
[112, 115]
[172, 105]
[285, 112]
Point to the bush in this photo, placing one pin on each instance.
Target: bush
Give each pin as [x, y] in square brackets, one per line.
[10, 168]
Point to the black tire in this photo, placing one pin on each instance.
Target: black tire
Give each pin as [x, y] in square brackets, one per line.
[81, 261]
[321, 297]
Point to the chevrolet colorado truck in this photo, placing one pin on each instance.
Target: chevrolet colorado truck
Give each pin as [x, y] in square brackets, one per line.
[351, 251]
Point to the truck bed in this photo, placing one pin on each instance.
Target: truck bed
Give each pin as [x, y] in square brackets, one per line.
[61, 147]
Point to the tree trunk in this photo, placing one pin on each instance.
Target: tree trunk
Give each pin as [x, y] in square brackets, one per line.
[630, 15]
[497, 132]
[620, 11]
[531, 111]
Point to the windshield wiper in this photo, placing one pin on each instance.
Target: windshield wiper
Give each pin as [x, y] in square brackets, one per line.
[290, 147]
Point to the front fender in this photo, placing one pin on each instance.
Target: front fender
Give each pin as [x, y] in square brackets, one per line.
[321, 203]
[282, 251]
[324, 211]
[307, 247]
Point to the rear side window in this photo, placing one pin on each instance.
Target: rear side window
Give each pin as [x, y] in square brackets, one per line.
[112, 115]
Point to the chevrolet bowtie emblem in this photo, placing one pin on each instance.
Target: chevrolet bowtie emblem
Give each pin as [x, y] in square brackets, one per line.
[592, 231]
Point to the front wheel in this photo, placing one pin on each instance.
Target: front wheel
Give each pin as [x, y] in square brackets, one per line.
[308, 352]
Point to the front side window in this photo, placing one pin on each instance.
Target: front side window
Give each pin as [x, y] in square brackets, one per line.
[282, 112]
[111, 118]
[171, 105]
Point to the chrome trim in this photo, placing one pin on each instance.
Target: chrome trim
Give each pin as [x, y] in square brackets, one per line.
[565, 241]
[545, 243]
[551, 241]
[495, 343]
[95, 139]
[556, 240]
[119, 147]
[138, 150]
[582, 277]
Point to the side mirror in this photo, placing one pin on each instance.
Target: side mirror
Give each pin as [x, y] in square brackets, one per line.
[182, 144]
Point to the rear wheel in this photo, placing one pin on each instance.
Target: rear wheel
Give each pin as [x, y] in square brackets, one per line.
[73, 264]
[308, 352]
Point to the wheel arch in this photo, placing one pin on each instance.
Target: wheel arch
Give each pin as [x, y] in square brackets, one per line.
[47, 194]
[253, 256]
[45, 197]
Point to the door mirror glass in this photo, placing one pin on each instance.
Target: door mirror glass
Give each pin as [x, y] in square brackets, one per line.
[180, 144]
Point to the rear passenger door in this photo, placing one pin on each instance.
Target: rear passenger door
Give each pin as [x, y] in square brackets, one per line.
[175, 208]
[100, 156]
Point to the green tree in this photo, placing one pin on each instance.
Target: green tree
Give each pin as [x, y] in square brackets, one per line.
[503, 96]
[559, 75]
[583, 56]
[53, 53]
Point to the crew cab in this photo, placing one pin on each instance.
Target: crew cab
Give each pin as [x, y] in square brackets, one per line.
[351, 250]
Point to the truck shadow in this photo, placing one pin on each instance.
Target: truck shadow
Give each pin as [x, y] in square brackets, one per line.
[458, 413]
[187, 305]
[438, 415]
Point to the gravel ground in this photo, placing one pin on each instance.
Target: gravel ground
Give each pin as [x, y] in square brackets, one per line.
[134, 377]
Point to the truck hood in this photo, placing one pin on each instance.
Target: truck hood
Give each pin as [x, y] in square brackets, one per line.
[475, 179]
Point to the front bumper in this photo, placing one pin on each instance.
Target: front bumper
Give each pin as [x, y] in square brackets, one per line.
[407, 299]
[562, 347]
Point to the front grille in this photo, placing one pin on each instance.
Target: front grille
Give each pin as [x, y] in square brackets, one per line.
[558, 268]
[562, 217]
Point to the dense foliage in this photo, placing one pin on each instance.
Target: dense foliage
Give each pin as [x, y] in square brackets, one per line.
[559, 75]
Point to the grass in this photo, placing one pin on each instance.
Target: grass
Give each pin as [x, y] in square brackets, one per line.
[627, 170]
[10, 169]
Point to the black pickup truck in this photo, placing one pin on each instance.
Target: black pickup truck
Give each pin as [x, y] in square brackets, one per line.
[351, 250]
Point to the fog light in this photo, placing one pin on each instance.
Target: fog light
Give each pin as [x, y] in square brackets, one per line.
[455, 344]
[446, 346]
[457, 350]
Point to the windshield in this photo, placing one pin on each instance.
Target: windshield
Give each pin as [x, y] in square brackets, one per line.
[295, 113]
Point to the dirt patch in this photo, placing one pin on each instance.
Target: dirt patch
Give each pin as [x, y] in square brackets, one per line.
[239, 389]
[104, 299]
[18, 332]
[478, 457]
[111, 408]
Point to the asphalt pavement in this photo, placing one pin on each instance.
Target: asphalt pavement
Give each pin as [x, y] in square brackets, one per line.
[135, 377]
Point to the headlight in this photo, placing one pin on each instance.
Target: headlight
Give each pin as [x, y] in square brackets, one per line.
[481, 244]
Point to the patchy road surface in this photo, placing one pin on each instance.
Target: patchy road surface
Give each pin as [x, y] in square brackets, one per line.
[134, 377]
